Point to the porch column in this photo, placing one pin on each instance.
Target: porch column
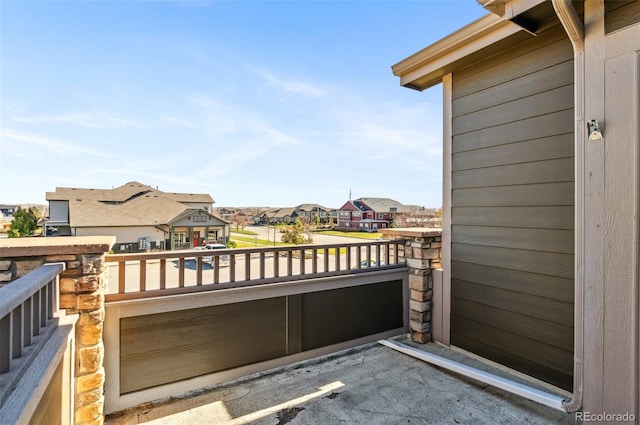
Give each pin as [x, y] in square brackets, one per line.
[423, 254]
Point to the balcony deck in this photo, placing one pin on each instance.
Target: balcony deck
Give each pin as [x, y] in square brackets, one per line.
[371, 384]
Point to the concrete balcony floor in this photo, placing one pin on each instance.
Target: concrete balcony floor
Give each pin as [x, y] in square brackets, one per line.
[369, 385]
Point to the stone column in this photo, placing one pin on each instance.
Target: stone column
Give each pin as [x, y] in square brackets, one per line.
[82, 290]
[423, 255]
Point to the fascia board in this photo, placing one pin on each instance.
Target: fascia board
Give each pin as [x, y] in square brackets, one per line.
[507, 9]
[455, 47]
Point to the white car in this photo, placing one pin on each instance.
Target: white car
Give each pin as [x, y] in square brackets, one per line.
[224, 259]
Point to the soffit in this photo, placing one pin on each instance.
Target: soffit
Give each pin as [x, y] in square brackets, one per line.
[480, 39]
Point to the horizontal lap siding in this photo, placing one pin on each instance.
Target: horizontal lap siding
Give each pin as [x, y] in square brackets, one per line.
[162, 348]
[330, 317]
[621, 14]
[512, 209]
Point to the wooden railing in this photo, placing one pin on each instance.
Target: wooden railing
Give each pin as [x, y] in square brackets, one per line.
[32, 340]
[26, 306]
[148, 275]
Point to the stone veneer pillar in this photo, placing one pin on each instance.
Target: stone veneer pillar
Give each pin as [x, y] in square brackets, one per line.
[423, 254]
[82, 290]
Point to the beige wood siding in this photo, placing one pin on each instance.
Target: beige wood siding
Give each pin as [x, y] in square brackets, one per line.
[54, 407]
[512, 208]
[123, 234]
[620, 14]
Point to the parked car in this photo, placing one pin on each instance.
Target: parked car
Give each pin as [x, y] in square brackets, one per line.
[224, 259]
[364, 264]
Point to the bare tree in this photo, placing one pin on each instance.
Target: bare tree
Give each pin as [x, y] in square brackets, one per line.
[239, 220]
[308, 226]
[419, 217]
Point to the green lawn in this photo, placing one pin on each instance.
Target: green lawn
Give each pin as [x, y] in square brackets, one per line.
[360, 235]
[244, 232]
[248, 242]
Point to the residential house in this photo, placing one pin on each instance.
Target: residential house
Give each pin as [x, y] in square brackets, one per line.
[333, 216]
[225, 212]
[6, 211]
[277, 216]
[252, 214]
[540, 200]
[141, 218]
[312, 212]
[368, 214]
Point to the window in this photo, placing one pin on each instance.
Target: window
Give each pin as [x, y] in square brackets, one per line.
[380, 216]
[179, 238]
[143, 244]
[357, 214]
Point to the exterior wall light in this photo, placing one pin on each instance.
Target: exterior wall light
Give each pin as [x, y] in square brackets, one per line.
[593, 130]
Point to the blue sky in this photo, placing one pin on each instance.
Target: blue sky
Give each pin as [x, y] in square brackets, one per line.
[258, 103]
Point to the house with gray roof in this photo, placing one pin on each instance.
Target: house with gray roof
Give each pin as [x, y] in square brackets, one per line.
[141, 217]
[312, 212]
[278, 215]
[369, 214]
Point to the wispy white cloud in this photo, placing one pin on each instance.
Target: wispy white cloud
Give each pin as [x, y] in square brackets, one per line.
[290, 86]
[13, 106]
[388, 130]
[45, 143]
[237, 124]
[239, 154]
[371, 137]
[94, 119]
[170, 120]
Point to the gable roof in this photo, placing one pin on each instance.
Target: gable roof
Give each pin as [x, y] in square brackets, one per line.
[380, 204]
[146, 211]
[123, 193]
[284, 212]
[197, 211]
[350, 206]
[310, 207]
[132, 204]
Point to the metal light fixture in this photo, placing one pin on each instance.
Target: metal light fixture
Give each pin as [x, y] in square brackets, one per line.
[593, 130]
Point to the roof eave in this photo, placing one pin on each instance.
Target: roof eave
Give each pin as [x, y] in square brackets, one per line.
[508, 9]
[426, 67]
